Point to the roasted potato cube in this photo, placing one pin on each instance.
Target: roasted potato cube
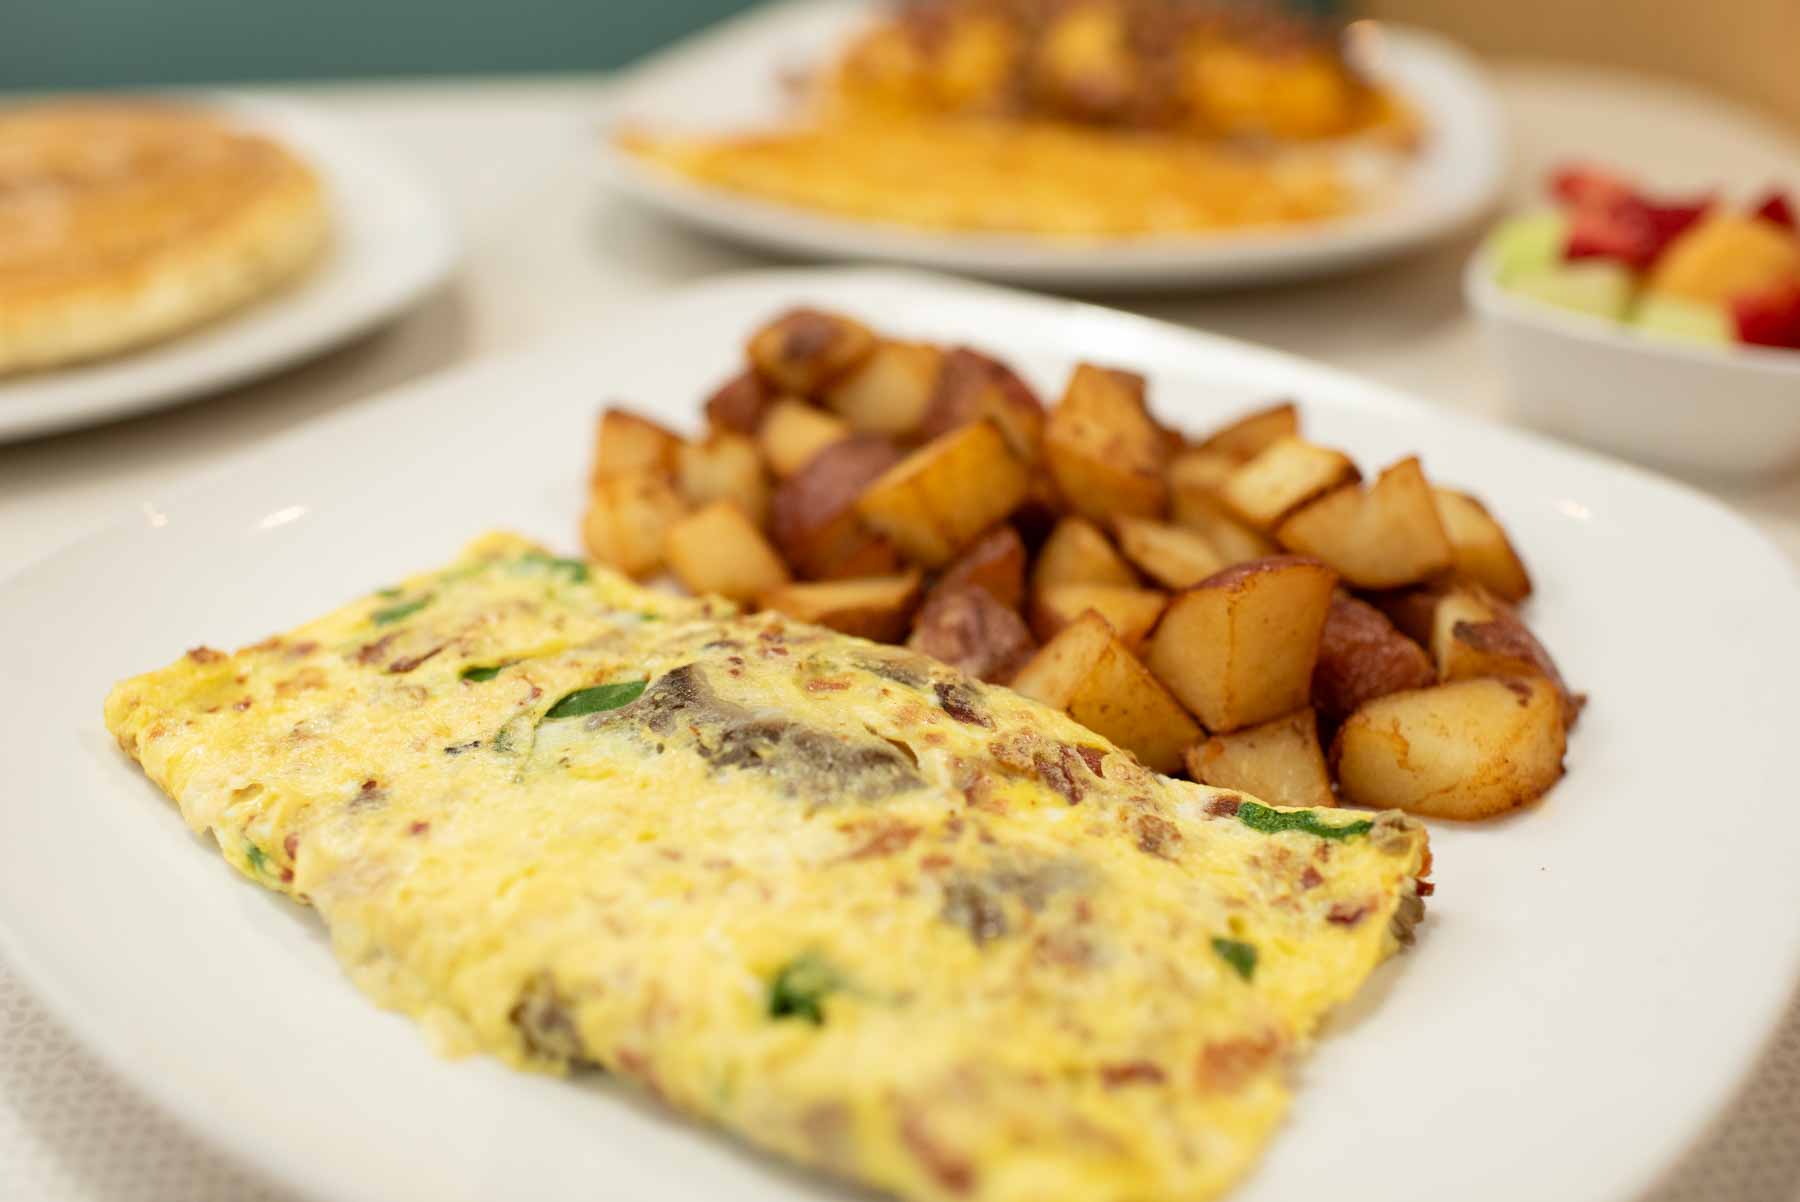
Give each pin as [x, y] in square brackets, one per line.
[995, 562]
[1475, 634]
[1471, 749]
[626, 443]
[813, 519]
[972, 386]
[1479, 548]
[1077, 553]
[965, 627]
[1195, 478]
[739, 404]
[1381, 537]
[724, 466]
[1195, 472]
[890, 390]
[878, 608]
[716, 549]
[1362, 657]
[794, 432]
[1279, 761]
[1287, 474]
[1253, 433]
[1413, 611]
[628, 517]
[1171, 556]
[1131, 612]
[1105, 453]
[940, 498]
[803, 350]
[1239, 648]
[1087, 671]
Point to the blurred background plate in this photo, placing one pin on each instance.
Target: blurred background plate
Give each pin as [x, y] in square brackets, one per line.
[392, 243]
[734, 77]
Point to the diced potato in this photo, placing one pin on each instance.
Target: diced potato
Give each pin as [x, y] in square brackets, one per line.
[1413, 610]
[1253, 433]
[1479, 548]
[1198, 473]
[1077, 553]
[940, 498]
[1285, 475]
[1131, 612]
[1171, 556]
[965, 627]
[1470, 749]
[1362, 657]
[1279, 761]
[739, 404]
[803, 350]
[626, 443]
[628, 517]
[1087, 671]
[995, 562]
[1103, 450]
[813, 519]
[1475, 634]
[716, 549]
[878, 608]
[724, 466]
[1381, 537]
[1239, 648]
[794, 432]
[890, 390]
[972, 386]
[1195, 478]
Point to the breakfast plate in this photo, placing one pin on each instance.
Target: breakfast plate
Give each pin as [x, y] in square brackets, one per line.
[391, 242]
[735, 77]
[1594, 977]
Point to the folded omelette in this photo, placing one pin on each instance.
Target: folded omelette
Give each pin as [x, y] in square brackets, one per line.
[856, 908]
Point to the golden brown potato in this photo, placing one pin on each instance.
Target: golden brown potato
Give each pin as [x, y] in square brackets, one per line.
[1239, 648]
[1087, 671]
[1197, 473]
[1380, 537]
[794, 432]
[724, 466]
[813, 519]
[1413, 610]
[1173, 557]
[1077, 553]
[1470, 749]
[1131, 612]
[1362, 657]
[1279, 761]
[803, 350]
[625, 443]
[716, 549]
[1285, 475]
[878, 608]
[965, 627]
[889, 391]
[995, 562]
[1103, 450]
[1195, 478]
[628, 517]
[1253, 433]
[1475, 634]
[739, 404]
[1479, 548]
[972, 386]
[940, 498]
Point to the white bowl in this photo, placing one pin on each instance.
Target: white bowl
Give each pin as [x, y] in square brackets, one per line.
[1723, 411]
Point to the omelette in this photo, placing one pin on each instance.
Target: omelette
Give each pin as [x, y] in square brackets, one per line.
[850, 905]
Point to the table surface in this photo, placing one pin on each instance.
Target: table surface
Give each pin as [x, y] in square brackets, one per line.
[546, 251]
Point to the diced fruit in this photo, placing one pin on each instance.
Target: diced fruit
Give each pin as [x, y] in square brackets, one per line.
[803, 350]
[1479, 547]
[1778, 207]
[1131, 612]
[1597, 287]
[1474, 635]
[1284, 476]
[1239, 648]
[1170, 555]
[1527, 245]
[794, 431]
[718, 550]
[739, 404]
[1104, 451]
[1727, 256]
[890, 390]
[1088, 672]
[627, 443]
[1672, 317]
[1279, 761]
[995, 562]
[878, 608]
[1769, 318]
[1380, 537]
[1077, 553]
[628, 517]
[813, 516]
[940, 498]
[964, 626]
[1362, 657]
[1466, 750]
[1251, 434]
[1632, 232]
[1583, 185]
[724, 466]
[972, 386]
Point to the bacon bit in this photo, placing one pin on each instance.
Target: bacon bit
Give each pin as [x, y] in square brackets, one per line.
[717, 863]
[302, 649]
[1223, 807]
[1132, 1072]
[368, 653]
[1057, 774]
[205, 655]
[935, 863]
[272, 643]
[1346, 915]
[1424, 888]
[946, 1167]
[408, 663]
[370, 785]
[1156, 836]
[1517, 688]
[1322, 852]
[305, 678]
[1084, 910]
[1065, 948]
[767, 651]
[1093, 757]
[1226, 1066]
[241, 704]
[886, 841]
[211, 709]
[638, 1065]
[287, 876]
[827, 684]
[1310, 879]
[291, 845]
[960, 701]
[418, 828]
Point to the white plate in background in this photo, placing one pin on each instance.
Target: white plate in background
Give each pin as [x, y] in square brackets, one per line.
[1593, 979]
[391, 243]
[731, 78]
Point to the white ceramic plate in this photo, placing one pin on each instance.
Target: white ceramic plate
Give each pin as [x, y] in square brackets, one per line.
[731, 78]
[393, 242]
[1594, 977]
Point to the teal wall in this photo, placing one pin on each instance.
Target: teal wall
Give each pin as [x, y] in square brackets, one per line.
[94, 43]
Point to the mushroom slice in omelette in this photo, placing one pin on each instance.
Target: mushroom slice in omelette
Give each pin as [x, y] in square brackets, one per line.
[839, 899]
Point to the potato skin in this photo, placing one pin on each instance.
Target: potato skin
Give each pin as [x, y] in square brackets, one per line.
[995, 562]
[965, 627]
[739, 404]
[1362, 657]
[812, 519]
